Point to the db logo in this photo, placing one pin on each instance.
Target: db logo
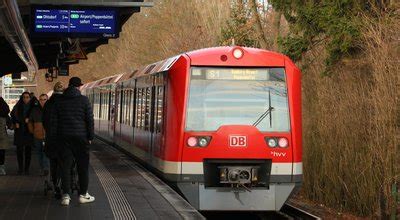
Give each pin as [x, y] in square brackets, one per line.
[237, 141]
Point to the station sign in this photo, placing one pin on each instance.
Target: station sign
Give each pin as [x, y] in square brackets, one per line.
[75, 22]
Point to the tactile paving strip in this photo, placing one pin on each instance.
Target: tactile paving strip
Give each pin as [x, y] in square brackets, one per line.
[119, 204]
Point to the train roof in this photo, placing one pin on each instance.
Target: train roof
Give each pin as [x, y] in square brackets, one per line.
[224, 56]
[102, 82]
[202, 57]
[160, 66]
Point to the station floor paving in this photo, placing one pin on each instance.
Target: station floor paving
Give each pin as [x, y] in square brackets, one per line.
[122, 188]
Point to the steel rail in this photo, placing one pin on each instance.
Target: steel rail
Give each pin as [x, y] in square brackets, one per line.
[297, 213]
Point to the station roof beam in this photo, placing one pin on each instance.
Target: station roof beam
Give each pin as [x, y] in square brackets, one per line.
[13, 30]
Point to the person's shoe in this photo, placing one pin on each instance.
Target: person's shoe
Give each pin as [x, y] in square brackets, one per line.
[86, 198]
[19, 172]
[65, 200]
[26, 172]
[2, 170]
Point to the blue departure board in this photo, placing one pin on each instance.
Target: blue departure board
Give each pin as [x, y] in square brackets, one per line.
[76, 21]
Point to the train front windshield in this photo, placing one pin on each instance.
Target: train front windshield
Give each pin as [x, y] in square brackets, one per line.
[237, 96]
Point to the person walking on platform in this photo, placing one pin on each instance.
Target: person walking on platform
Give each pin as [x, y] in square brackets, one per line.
[51, 146]
[4, 143]
[36, 128]
[74, 123]
[22, 138]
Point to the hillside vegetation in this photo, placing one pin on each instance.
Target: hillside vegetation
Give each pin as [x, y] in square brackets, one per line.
[349, 55]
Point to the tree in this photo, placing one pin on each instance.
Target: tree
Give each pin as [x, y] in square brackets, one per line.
[334, 23]
[239, 28]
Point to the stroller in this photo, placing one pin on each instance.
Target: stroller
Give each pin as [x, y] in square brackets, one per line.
[48, 185]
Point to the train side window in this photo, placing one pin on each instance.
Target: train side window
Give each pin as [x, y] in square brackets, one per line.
[125, 106]
[137, 108]
[97, 102]
[147, 109]
[159, 109]
[108, 106]
[131, 107]
[127, 93]
[143, 112]
[111, 106]
[106, 103]
[102, 105]
[129, 122]
[140, 108]
[120, 106]
[94, 105]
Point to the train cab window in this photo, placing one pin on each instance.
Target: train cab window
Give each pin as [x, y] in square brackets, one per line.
[237, 96]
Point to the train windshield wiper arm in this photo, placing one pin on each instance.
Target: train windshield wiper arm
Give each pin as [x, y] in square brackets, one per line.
[267, 112]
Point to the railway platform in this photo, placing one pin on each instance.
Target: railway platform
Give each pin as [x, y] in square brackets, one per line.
[123, 190]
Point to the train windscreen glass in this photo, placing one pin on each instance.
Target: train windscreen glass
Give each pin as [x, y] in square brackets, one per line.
[237, 96]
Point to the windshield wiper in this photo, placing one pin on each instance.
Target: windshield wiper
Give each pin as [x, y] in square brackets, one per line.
[267, 112]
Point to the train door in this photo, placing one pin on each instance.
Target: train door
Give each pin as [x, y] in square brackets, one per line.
[142, 130]
[158, 115]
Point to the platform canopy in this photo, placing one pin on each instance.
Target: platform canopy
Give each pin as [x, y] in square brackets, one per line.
[24, 48]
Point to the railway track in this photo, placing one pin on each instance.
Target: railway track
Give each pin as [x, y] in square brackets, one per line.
[292, 212]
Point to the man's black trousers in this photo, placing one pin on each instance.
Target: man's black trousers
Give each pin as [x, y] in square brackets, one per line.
[74, 150]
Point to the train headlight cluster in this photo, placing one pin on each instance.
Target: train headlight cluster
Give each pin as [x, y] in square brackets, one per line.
[277, 142]
[198, 141]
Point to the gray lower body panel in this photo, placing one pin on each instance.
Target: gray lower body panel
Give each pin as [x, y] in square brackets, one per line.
[258, 199]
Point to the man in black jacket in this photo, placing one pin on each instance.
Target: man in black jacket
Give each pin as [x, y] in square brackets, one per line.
[51, 146]
[74, 126]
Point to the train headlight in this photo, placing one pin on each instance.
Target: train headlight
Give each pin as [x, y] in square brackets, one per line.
[203, 142]
[238, 53]
[283, 142]
[254, 175]
[222, 174]
[272, 142]
[192, 142]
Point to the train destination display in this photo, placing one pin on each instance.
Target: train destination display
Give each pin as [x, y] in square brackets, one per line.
[78, 21]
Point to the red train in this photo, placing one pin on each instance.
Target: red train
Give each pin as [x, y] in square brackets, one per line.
[223, 124]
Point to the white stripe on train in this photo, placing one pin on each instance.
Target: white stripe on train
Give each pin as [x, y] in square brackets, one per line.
[196, 168]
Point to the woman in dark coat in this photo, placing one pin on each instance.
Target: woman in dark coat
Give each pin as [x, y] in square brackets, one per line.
[22, 138]
[4, 143]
